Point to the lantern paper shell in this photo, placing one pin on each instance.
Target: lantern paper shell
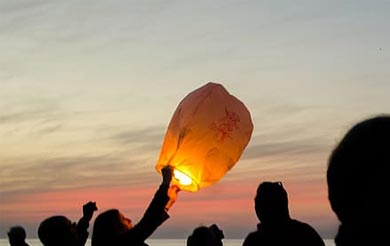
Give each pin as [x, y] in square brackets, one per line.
[205, 138]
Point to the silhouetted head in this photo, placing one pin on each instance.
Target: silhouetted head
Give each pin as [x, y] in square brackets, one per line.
[58, 231]
[359, 172]
[271, 202]
[206, 236]
[108, 226]
[16, 235]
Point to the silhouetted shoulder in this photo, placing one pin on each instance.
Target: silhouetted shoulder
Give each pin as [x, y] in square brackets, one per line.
[309, 235]
[293, 232]
[251, 239]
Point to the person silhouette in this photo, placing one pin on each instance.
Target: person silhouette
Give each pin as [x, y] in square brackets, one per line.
[17, 236]
[276, 227]
[206, 236]
[358, 183]
[112, 228]
[58, 230]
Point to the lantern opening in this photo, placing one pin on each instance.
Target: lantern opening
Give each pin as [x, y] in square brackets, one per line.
[183, 179]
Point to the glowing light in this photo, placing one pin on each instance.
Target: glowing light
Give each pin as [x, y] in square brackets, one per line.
[181, 177]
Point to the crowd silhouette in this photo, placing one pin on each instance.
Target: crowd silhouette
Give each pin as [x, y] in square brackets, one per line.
[358, 188]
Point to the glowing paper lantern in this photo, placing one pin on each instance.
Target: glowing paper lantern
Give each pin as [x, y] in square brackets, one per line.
[205, 137]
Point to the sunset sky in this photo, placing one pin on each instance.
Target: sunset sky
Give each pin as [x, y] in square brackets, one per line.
[87, 89]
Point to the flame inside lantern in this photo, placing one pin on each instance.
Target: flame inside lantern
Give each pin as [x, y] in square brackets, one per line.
[183, 178]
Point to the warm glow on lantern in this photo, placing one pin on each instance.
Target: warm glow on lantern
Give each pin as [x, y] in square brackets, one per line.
[205, 138]
[182, 178]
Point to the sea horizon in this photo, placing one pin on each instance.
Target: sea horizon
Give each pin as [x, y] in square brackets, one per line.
[158, 242]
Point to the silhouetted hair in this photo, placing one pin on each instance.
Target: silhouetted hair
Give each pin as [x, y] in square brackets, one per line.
[271, 202]
[206, 236]
[57, 231]
[359, 171]
[107, 227]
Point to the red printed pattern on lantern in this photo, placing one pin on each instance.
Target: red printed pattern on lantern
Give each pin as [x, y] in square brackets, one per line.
[225, 126]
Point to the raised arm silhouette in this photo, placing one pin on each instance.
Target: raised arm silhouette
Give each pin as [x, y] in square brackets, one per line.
[276, 227]
[112, 228]
[58, 230]
[358, 183]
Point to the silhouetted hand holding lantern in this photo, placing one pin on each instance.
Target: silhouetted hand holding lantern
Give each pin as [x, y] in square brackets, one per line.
[88, 210]
[167, 175]
[205, 137]
[173, 189]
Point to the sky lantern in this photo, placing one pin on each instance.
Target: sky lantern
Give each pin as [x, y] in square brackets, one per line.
[205, 138]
